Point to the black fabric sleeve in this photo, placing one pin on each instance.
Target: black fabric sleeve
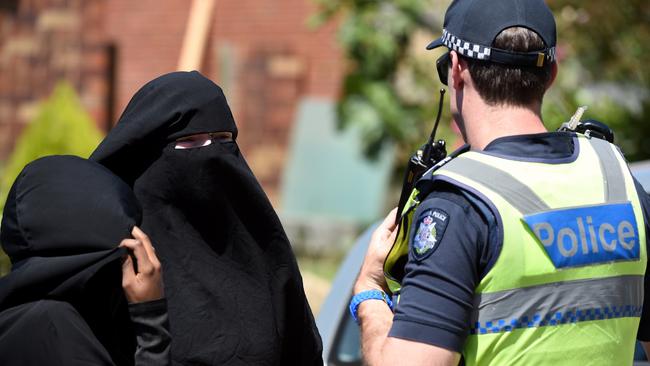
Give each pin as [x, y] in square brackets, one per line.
[151, 325]
[644, 326]
[438, 289]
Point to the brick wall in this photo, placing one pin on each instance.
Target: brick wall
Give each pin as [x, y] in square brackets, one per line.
[260, 51]
[42, 42]
[147, 35]
[267, 59]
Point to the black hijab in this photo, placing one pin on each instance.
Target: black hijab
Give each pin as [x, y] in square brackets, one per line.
[233, 288]
[62, 223]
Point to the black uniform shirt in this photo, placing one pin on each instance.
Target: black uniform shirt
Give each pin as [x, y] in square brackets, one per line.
[438, 290]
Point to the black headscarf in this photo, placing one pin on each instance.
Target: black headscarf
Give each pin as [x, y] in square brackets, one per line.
[62, 224]
[234, 291]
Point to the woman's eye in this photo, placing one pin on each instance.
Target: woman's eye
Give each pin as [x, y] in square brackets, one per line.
[192, 142]
[202, 139]
[224, 137]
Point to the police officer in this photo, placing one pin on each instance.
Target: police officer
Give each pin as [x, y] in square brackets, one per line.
[528, 249]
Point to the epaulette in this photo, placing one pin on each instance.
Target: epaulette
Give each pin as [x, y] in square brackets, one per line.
[424, 185]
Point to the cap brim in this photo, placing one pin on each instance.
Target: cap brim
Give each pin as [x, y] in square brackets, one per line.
[435, 44]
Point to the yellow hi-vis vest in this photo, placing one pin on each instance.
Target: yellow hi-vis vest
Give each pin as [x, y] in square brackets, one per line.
[567, 287]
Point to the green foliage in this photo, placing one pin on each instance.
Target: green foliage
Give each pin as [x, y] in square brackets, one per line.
[617, 105]
[391, 84]
[61, 126]
[608, 43]
[390, 91]
[609, 38]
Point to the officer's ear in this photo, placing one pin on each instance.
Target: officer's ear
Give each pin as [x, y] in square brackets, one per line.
[459, 72]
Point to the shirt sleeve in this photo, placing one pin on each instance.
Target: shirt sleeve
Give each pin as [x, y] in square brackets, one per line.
[644, 326]
[151, 325]
[437, 293]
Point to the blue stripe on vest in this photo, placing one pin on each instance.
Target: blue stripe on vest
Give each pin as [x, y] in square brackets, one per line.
[587, 235]
[557, 318]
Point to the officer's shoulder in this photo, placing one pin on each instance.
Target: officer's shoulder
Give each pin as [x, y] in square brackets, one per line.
[443, 193]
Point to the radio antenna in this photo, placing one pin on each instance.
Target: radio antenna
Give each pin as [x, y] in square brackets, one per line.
[427, 150]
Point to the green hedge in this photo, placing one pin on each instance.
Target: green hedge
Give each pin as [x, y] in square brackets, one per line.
[61, 126]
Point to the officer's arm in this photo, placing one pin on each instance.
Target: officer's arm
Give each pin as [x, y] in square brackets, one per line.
[644, 326]
[378, 349]
[376, 318]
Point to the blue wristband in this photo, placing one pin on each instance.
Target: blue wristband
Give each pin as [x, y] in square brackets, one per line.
[368, 295]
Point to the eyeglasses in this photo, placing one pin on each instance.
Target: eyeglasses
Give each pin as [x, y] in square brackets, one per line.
[202, 139]
[442, 64]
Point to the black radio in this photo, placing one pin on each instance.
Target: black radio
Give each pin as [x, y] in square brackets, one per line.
[424, 158]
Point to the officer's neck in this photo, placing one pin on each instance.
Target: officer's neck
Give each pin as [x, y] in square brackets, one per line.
[482, 123]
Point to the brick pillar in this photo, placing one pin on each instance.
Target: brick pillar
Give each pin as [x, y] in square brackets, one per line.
[271, 86]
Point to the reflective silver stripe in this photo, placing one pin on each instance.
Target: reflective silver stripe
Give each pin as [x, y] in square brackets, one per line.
[522, 197]
[611, 168]
[507, 186]
[558, 303]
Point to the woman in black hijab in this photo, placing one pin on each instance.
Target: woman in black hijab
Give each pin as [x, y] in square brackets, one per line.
[234, 291]
[63, 303]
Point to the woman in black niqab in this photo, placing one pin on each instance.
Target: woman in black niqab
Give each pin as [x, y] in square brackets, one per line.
[62, 303]
[234, 292]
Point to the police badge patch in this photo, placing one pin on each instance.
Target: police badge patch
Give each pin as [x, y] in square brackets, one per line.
[431, 227]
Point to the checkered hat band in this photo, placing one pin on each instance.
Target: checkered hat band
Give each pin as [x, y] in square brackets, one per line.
[465, 48]
[473, 50]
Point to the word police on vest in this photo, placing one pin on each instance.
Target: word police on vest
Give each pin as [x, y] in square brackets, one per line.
[587, 235]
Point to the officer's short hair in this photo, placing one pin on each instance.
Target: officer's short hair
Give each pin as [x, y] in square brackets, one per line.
[500, 84]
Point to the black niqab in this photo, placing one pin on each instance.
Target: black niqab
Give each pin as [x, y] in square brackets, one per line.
[62, 224]
[234, 292]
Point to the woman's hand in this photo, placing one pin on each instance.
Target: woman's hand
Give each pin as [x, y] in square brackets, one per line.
[141, 270]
